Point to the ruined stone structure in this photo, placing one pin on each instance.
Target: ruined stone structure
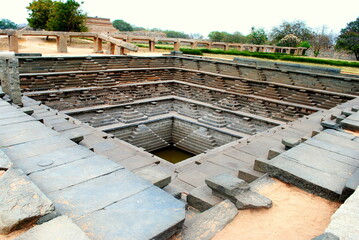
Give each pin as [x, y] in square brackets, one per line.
[99, 25]
[101, 119]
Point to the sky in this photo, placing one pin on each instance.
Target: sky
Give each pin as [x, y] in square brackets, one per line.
[204, 16]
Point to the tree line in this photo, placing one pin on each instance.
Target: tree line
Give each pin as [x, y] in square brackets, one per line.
[58, 15]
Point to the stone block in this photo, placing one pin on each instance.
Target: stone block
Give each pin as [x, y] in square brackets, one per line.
[204, 226]
[289, 142]
[5, 162]
[261, 165]
[154, 176]
[174, 191]
[326, 236]
[60, 228]
[350, 186]
[347, 112]
[273, 152]
[329, 124]
[149, 214]
[227, 184]
[21, 201]
[202, 199]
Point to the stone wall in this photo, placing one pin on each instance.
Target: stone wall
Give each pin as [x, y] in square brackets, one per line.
[100, 25]
[331, 53]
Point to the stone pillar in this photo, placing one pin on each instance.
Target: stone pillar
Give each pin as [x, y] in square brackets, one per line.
[97, 45]
[225, 47]
[61, 41]
[10, 80]
[121, 51]
[111, 48]
[13, 43]
[209, 45]
[177, 46]
[296, 51]
[193, 45]
[151, 46]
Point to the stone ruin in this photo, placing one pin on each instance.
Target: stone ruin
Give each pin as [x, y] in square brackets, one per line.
[79, 133]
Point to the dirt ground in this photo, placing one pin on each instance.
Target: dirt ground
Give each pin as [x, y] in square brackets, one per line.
[295, 215]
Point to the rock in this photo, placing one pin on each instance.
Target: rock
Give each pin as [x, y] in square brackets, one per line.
[205, 225]
[227, 184]
[5, 162]
[329, 124]
[289, 142]
[60, 228]
[326, 236]
[155, 176]
[247, 200]
[21, 201]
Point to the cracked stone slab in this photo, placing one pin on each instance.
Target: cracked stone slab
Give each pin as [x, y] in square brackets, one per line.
[21, 201]
[227, 184]
[202, 199]
[204, 226]
[73, 173]
[95, 194]
[150, 214]
[60, 228]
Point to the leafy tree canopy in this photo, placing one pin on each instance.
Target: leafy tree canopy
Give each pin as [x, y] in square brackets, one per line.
[7, 24]
[175, 34]
[298, 28]
[289, 41]
[56, 15]
[121, 25]
[257, 36]
[348, 39]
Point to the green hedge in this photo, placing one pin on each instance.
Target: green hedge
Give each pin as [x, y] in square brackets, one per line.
[275, 56]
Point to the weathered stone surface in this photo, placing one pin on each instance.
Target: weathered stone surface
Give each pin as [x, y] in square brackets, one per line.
[175, 192]
[202, 199]
[344, 222]
[350, 185]
[150, 214]
[27, 110]
[5, 162]
[21, 201]
[289, 142]
[227, 184]
[155, 176]
[326, 236]
[60, 228]
[273, 152]
[205, 225]
[247, 200]
[329, 124]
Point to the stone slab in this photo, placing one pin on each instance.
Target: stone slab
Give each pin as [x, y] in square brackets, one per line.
[27, 135]
[97, 193]
[326, 236]
[60, 228]
[34, 148]
[350, 186]
[5, 162]
[344, 222]
[337, 140]
[154, 176]
[202, 199]
[150, 214]
[172, 190]
[73, 173]
[15, 120]
[204, 226]
[21, 201]
[57, 157]
[227, 184]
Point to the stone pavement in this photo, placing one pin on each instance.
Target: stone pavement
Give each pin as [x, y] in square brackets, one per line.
[103, 198]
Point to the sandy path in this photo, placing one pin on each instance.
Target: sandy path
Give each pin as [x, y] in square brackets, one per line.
[295, 215]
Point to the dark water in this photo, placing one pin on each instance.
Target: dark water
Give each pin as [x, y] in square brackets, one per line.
[172, 154]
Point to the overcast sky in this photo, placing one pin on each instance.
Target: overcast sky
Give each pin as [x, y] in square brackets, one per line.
[204, 16]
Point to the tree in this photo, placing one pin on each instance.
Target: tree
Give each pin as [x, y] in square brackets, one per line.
[7, 24]
[175, 34]
[257, 36]
[289, 41]
[121, 25]
[321, 39]
[298, 28]
[348, 39]
[216, 36]
[236, 37]
[39, 12]
[56, 15]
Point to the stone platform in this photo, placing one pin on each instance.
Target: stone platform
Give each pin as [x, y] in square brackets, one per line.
[103, 198]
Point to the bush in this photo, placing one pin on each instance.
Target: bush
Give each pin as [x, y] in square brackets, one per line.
[191, 51]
